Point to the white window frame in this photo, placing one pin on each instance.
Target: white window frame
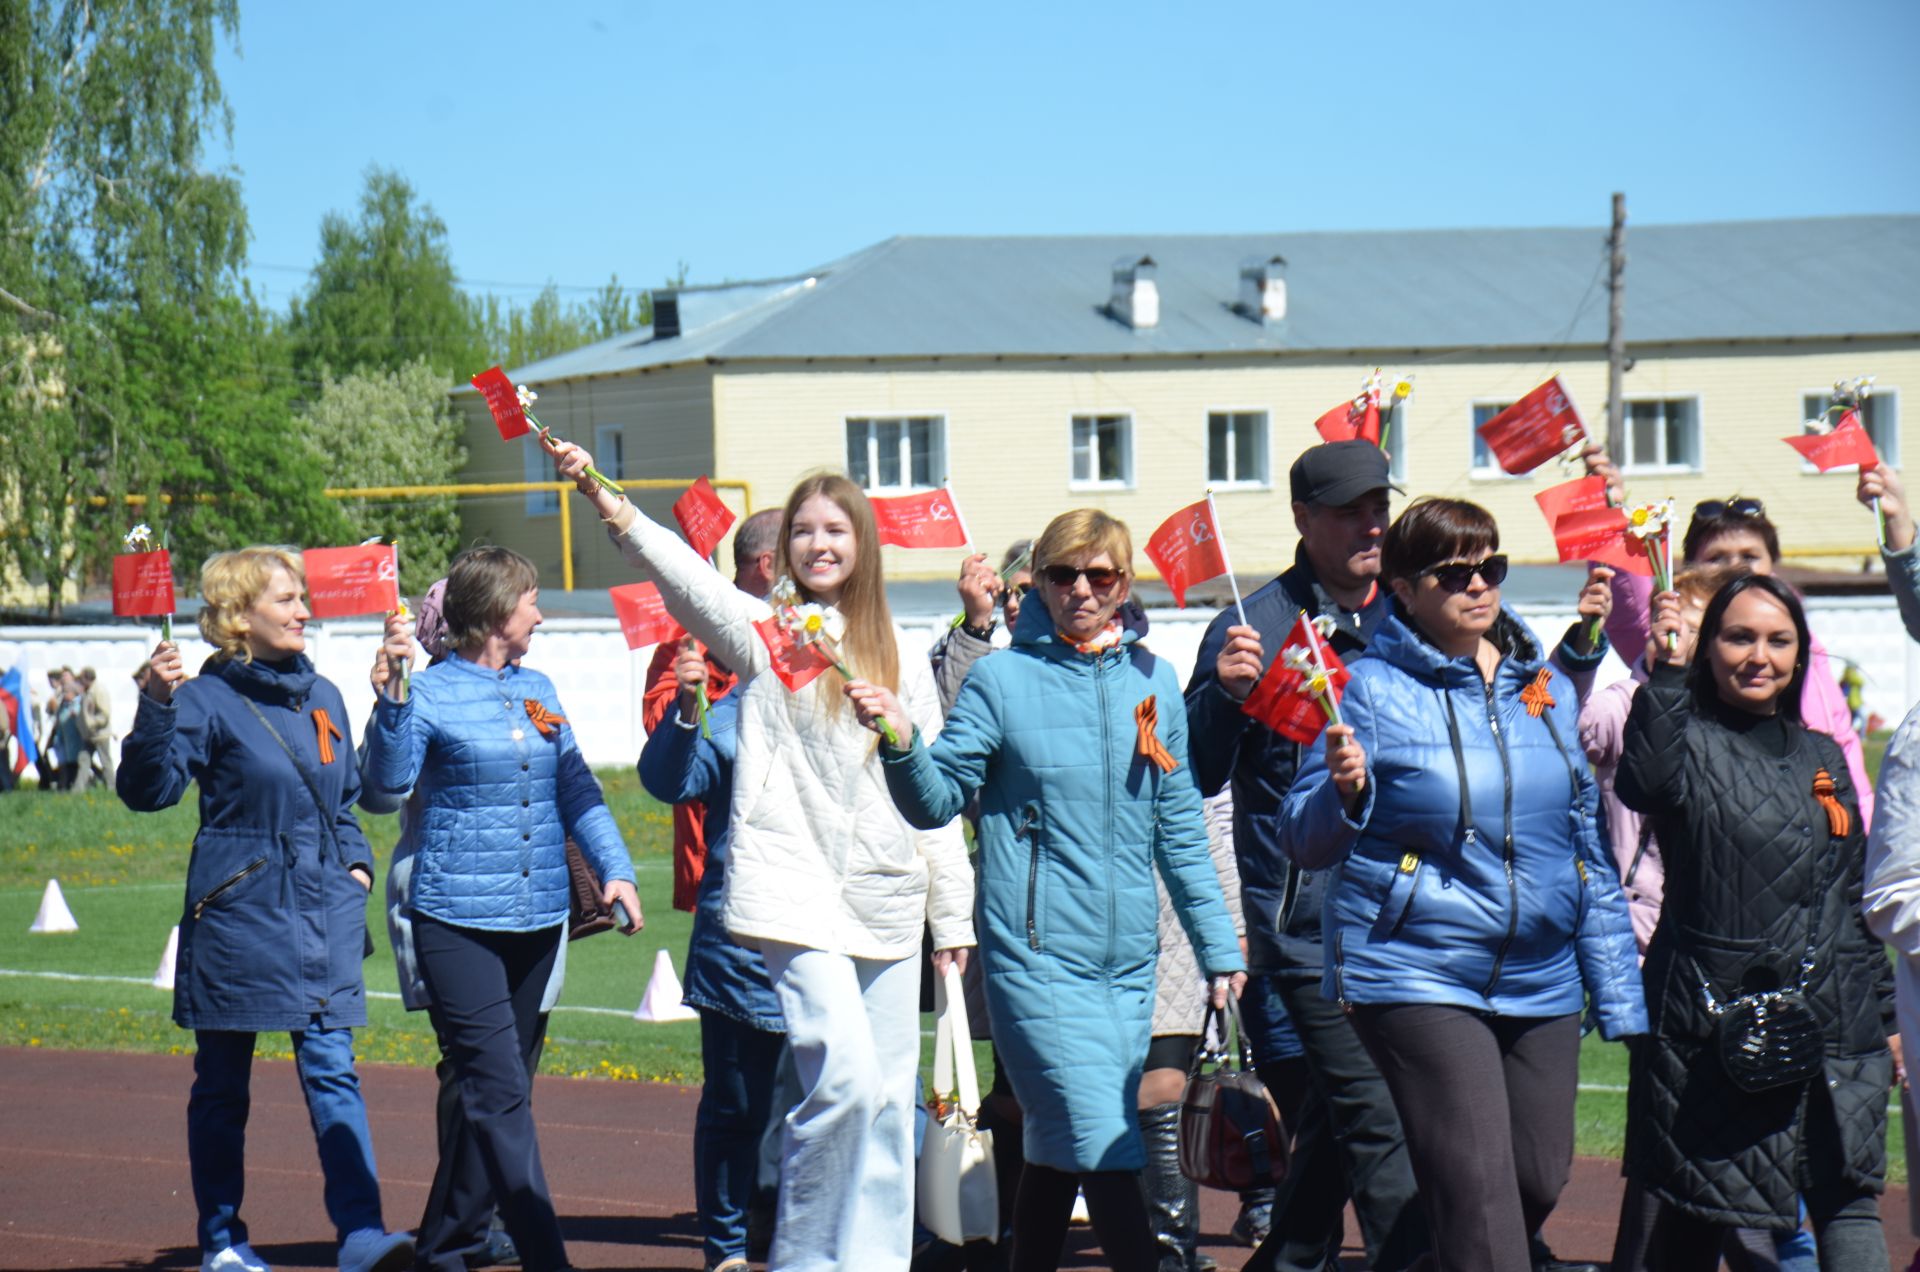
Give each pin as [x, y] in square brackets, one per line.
[937, 463]
[1491, 470]
[610, 450]
[537, 465]
[1633, 467]
[1236, 482]
[1890, 393]
[1093, 450]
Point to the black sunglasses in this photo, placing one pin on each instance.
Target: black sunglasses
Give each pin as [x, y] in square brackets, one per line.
[1457, 576]
[1018, 591]
[1715, 509]
[1099, 577]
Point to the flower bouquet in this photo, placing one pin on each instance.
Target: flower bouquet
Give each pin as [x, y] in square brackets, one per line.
[1652, 525]
[821, 628]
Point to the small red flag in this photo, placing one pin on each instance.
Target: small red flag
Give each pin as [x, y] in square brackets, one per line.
[797, 665]
[143, 584]
[1533, 430]
[1347, 421]
[346, 581]
[504, 401]
[930, 520]
[1600, 535]
[702, 517]
[1282, 700]
[1582, 495]
[643, 615]
[1847, 444]
[1186, 548]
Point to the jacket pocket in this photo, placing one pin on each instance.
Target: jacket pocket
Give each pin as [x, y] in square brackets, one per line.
[1402, 888]
[225, 888]
[1030, 836]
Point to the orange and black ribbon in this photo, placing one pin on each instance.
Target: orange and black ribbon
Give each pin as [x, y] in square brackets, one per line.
[1536, 696]
[1838, 821]
[544, 720]
[327, 733]
[1147, 716]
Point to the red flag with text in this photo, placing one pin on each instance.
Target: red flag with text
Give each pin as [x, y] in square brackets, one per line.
[1186, 548]
[143, 584]
[1347, 421]
[345, 581]
[1847, 444]
[643, 615]
[702, 517]
[931, 520]
[797, 665]
[1281, 700]
[1600, 535]
[1581, 495]
[504, 401]
[1533, 430]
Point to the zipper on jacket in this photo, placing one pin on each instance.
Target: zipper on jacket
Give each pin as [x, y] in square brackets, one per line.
[1106, 772]
[1639, 851]
[1580, 912]
[199, 907]
[1340, 970]
[1409, 865]
[1506, 841]
[1027, 820]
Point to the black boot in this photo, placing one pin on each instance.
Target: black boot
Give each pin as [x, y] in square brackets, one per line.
[1173, 1200]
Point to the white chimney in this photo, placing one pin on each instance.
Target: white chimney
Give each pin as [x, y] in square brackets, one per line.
[1263, 289]
[1135, 299]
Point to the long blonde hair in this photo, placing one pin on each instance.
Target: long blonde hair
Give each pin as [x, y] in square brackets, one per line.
[870, 647]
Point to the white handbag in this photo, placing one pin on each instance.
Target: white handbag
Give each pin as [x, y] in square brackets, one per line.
[959, 1199]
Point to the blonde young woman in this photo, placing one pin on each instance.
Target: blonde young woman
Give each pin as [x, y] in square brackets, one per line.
[825, 878]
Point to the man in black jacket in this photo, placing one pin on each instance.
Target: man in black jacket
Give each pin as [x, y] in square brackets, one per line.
[1349, 1142]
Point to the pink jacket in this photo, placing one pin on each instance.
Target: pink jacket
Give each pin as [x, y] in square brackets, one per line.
[1603, 723]
[1823, 705]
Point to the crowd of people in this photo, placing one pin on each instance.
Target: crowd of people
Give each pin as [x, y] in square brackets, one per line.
[74, 726]
[1657, 824]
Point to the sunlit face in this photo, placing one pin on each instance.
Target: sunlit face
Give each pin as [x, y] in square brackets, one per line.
[1343, 542]
[517, 630]
[1081, 611]
[1742, 548]
[1449, 617]
[1018, 583]
[1752, 656]
[820, 548]
[275, 625]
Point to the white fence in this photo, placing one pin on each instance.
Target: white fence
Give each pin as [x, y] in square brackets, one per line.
[600, 681]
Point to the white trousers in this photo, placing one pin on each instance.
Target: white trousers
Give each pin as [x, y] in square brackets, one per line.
[846, 1159]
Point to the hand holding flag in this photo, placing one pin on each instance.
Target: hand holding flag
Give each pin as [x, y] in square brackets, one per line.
[804, 638]
[1300, 693]
[512, 411]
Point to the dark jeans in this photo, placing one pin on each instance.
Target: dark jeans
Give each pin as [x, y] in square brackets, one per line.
[1487, 1102]
[485, 990]
[1348, 1144]
[735, 1101]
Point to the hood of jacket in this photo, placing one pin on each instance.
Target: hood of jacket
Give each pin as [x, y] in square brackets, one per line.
[1400, 642]
[285, 683]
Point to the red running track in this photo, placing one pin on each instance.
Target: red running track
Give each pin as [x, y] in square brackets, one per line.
[93, 1173]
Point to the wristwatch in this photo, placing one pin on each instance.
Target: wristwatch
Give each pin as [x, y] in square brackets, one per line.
[980, 633]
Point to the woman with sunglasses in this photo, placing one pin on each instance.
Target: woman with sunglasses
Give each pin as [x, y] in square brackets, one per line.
[1735, 532]
[1076, 742]
[1473, 909]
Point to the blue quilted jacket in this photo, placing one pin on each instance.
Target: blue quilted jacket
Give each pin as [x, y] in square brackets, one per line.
[1073, 823]
[497, 796]
[1473, 874]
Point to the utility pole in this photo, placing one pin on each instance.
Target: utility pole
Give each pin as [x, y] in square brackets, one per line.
[1616, 328]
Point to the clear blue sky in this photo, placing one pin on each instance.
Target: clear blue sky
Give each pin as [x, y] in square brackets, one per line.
[564, 141]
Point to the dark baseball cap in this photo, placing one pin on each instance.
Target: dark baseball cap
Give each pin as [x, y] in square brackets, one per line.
[1338, 473]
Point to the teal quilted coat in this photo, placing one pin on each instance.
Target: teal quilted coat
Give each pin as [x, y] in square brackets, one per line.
[1073, 822]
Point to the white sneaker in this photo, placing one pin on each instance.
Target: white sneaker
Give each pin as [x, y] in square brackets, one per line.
[240, 1258]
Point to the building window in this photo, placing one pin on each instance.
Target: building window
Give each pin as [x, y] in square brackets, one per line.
[897, 454]
[1237, 448]
[610, 450]
[537, 465]
[1484, 464]
[1662, 435]
[1879, 414]
[1102, 451]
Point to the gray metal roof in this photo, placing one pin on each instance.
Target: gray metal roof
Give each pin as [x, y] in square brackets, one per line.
[1019, 297]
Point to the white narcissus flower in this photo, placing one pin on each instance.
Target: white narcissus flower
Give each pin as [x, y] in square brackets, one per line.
[785, 593]
[140, 538]
[527, 397]
[1324, 624]
[1650, 520]
[1296, 658]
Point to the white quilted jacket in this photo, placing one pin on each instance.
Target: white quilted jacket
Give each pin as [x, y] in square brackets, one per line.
[820, 858]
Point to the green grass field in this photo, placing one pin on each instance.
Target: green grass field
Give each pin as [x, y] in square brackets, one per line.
[122, 874]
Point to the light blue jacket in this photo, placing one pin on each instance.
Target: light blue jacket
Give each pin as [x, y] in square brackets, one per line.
[1473, 874]
[1073, 822]
[497, 797]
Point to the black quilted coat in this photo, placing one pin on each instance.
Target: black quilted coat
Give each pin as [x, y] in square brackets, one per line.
[1750, 860]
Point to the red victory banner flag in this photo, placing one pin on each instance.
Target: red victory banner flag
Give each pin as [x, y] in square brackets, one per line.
[1301, 691]
[643, 615]
[1848, 443]
[342, 582]
[1581, 495]
[143, 584]
[796, 664]
[504, 401]
[1186, 549]
[702, 517]
[1533, 430]
[1600, 535]
[1350, 420]
[931, 520]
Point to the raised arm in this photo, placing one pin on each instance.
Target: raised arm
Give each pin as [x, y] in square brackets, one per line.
[172, 737]
[942, 847]
[931, 782]
[1653, 773]
[1215, 722]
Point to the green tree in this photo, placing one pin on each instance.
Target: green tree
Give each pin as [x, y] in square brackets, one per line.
[514, 336]
[393, 428]
[384, 292]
